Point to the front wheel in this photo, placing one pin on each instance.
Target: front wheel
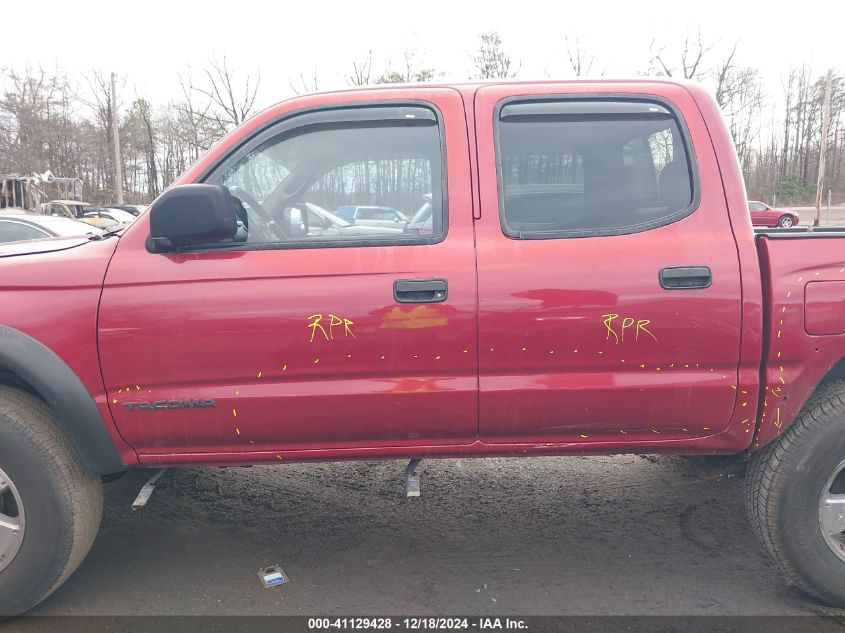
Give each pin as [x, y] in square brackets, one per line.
[795, 495]
[50, 505]
[785, 222]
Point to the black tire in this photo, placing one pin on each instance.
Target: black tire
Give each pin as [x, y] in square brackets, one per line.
[785, 221]
[783, 490]
[62, 501]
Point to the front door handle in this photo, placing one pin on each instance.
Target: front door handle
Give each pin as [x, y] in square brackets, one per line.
[685, 277]
[420, 290]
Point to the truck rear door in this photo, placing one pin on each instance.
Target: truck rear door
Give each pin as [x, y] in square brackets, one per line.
[608, 273]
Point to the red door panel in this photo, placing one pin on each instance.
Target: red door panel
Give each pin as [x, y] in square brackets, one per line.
[242, 329]
[578, 340]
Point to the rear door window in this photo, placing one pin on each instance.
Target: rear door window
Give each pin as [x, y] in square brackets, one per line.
[570, 168]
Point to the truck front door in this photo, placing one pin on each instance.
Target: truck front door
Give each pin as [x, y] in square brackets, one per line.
[295, 337]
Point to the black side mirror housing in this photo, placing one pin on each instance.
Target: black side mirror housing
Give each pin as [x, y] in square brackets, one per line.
[188, 215]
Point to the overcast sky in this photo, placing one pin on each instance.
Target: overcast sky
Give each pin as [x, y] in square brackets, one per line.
[149, 42]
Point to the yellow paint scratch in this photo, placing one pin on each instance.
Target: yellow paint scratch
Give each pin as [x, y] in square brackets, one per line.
[237, 430]
[317, 360]
[234, 413]
[584, 436]
[259, 374]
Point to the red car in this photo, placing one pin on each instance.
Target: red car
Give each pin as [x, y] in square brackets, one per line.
[764, 215]
[588, 282]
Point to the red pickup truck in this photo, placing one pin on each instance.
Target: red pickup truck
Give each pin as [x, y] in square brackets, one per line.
[581, 277]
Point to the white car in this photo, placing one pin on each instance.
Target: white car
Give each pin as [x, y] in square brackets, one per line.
[18, 227]
[118, 215]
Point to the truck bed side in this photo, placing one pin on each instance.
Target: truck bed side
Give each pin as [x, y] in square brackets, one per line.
[804, 301]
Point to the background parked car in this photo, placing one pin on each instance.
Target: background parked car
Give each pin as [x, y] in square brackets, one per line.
[66, 208]
[764, 215]
[134, 209]
[17, 227]
[373, 216]
[76, 210]
[118, 215]
[325, 223]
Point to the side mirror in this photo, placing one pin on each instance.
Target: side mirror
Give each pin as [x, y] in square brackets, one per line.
[187, 215]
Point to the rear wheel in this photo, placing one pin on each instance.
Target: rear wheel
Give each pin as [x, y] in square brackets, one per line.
[785, 221]
[50, 506]
[795, 494]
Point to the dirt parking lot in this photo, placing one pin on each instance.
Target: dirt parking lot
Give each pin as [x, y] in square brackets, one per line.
[586, 536]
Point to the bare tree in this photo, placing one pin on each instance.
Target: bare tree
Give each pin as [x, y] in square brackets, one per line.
[411, 72]
[197, 126]
[491, 60]
[232, 101]
[361, 71]
[304, 85]
[726, 84]
[99, 99]
[580, 61]
[691, 56]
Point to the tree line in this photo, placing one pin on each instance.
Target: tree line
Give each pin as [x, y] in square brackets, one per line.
[50, 120]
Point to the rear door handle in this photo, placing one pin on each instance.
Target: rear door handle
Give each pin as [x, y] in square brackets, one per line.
[685, 277]
[420, 290]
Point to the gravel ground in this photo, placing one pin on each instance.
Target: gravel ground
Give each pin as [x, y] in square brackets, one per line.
[541, 536]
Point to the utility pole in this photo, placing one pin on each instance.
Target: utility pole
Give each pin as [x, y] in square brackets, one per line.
[823, 147]
[118, 166]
